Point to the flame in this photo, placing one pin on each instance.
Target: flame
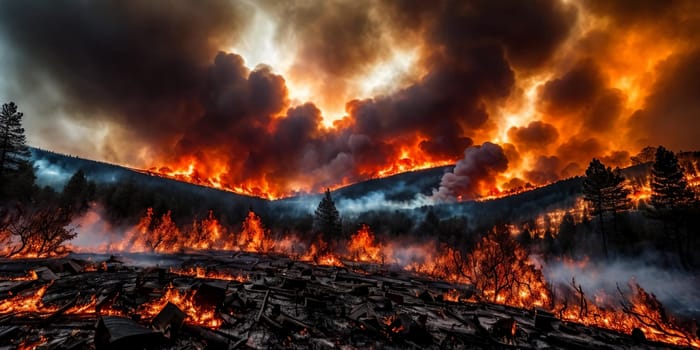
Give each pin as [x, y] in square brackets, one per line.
[201, 272]
[196, 314]
[320, 253]
[639, 310]
[213, 172]
[163, 236]
[31, 302]
[362, 247]
[393, 323]
[498, 268]
[31, 276]
[28, 344]
[452, 295]
[254, 237]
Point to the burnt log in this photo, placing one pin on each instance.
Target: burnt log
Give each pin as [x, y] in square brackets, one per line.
[122, 333]
[169, 320]
[210, 294]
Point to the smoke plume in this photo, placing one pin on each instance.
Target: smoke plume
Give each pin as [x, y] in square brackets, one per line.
[475, 171]
[348, 91]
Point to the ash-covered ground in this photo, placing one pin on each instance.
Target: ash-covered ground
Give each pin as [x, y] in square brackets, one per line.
[244, 300]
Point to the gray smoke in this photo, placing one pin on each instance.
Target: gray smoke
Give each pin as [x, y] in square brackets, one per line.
[479, 167]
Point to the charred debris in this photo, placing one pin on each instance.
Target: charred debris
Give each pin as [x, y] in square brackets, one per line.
[252, 301]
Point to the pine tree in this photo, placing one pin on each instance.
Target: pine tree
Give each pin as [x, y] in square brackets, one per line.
[605, 190]
[13, 145]
[670, 191]
[327, 220]
[619, 196]
[670, 199]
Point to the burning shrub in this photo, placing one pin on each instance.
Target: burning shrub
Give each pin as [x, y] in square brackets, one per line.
[635, 309]
[36, 233]
[153, 235]
[500, 269]
[320, 253]
[208, 234]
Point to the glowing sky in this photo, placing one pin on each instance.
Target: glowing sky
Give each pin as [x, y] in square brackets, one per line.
[278, 97]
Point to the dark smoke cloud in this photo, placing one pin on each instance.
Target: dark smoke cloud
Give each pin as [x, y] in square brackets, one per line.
[150, 70]
[630, 12]
[528, 32]
[157, 74]
[535, 135]
[574, 90]
[545, 170]
[141, 64]
[478, 168]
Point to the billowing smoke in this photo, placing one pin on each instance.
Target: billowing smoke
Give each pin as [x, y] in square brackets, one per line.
[478, 169]
[170, 86]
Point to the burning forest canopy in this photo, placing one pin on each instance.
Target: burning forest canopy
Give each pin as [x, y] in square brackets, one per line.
[470, 153]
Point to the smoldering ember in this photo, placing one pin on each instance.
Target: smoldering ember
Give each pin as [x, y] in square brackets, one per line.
[451, 174]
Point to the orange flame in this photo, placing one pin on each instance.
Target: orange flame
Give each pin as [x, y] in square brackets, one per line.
[26, 303]
[196, 314]
[201, 272]
[320, 253]
[362, 247]
[31, 276]
[254, 237]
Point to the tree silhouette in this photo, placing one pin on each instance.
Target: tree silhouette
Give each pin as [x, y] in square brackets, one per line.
[327, 220]
[13, 145]
[646, 155]
[604, 190]
[38, 233]
[669, 188]
[567, 233]
[77, 193]
[671, 198]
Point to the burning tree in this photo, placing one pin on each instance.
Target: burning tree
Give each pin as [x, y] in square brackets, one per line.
[36, 233]
[605, 191]
[498, 267]
[362, 246]
[255, 237]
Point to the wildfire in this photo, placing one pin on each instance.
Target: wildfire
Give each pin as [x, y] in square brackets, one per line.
[639, 310]
[452, 295]
[161, 235]
[640, 193]
[32, 344]
[320, 253]
[254, 237]
[216, 173]
[196, 314]
[201, 272]
[362, 247]
[31, 302]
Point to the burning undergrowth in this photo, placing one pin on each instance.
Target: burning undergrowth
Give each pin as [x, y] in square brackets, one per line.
[258, 300]
[495, 270]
